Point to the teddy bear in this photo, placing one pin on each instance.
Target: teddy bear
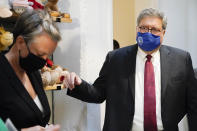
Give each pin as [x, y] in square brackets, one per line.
[6, 39]
[20, 6]
[51, 5]
[52, 75]
[36, 4]
[5, 12]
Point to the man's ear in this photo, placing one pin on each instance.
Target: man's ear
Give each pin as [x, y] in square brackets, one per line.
[164, 32]
[136, 28]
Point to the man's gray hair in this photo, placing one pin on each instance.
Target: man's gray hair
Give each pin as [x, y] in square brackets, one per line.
[34, 22]
[152, 13]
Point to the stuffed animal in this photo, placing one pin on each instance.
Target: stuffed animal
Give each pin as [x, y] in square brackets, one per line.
[5, 12]
[36, 4]
[52, 75]
[20, 6]
[6, 39]
[51, 5]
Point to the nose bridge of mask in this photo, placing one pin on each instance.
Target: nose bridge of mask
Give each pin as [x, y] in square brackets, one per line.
[150, 30]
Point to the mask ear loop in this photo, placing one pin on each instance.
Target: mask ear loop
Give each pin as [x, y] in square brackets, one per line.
[26, 44]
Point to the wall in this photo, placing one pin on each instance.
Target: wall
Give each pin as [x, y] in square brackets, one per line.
[124, 21]
[125, 13]
[142, 4]
[83, 48]
[4, 3]
[181, 31]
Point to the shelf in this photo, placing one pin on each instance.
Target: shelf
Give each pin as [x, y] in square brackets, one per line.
[9, 22]
[54, 87]
[62, 19]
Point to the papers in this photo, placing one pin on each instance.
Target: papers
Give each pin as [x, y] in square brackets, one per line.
[10, 125]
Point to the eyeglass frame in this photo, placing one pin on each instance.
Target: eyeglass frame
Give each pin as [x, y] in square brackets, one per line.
[153, 30]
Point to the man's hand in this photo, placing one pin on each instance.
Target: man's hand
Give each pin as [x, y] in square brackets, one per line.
[71, 79]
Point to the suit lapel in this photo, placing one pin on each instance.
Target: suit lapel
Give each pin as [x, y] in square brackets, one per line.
[131, 68]
[165, 71]
[18, 86]
[35, 79]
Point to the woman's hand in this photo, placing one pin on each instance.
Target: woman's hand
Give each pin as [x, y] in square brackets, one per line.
[52, 128]
[40, 128]
[34, 128]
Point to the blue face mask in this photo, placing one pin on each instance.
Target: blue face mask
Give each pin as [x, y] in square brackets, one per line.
[148, 41]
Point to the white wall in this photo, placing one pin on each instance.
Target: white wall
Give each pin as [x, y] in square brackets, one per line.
[83, 48]
[4, 3]
[181, 30]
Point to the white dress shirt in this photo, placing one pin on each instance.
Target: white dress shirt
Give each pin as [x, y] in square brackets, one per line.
[138, 120]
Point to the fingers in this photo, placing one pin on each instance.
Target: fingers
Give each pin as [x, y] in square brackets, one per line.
[78, 80]
[35, 128]
[66, 80]
[39, 128]
[53, 128]
[71, 79]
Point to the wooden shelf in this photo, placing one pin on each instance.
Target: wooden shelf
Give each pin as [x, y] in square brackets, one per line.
[9, 22]
[54, 87]
[62, 19]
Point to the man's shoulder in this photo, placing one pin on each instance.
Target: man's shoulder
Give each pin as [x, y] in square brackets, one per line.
[174, 50]
[122, 54]
[125, 50]
[195, 71]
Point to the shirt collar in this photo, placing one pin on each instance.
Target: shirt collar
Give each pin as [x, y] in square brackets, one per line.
[143, 55]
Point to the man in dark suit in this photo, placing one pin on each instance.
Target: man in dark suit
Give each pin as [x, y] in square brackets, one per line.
[147, 86]
[195, 71]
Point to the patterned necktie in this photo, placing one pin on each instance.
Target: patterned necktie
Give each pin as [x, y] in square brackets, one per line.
[150, 123]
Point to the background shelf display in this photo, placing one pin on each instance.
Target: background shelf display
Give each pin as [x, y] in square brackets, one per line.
[62, 19]
[54, 87]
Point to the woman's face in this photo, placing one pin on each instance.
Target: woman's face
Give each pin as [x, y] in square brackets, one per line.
[42, 46]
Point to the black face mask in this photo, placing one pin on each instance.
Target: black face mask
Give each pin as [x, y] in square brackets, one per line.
[31, 62]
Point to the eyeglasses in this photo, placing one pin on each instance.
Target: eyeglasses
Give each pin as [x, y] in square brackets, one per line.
[153, 30]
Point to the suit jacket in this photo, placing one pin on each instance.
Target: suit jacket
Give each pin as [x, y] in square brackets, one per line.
[116, 85]
[195, 71]
[15, 101]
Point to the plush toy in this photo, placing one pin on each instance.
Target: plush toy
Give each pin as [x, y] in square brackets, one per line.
[6, 39]
[20, 6]
[52, 75]
[5, 12]
[36, 4]
[51, 5]
[43, 2]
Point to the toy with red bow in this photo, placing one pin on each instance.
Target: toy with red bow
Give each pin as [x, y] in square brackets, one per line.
[53, 75]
